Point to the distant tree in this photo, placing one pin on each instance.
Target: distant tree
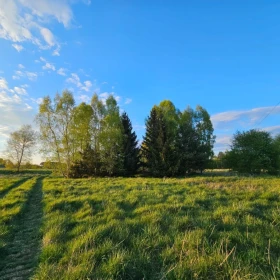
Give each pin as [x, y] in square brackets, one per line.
[55, 120]
[253, 151]
[2, 163]
[20, 144]
[205, 138]
[130, 147]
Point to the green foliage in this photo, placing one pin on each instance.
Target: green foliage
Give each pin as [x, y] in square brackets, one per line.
[80, 128]
[253, 152]
[90, 140]
[111, 139]
[55, 120]
[177, 143]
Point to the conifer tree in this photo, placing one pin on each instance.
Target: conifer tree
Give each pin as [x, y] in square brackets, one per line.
[153, 146]
[131, 151]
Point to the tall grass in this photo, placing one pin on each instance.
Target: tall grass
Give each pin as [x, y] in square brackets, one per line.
[200, 228]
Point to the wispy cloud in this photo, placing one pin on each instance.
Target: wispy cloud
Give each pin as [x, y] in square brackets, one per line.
[75, 79]
[20, 66]
[62, 71]
[3, 84]
[227, 123]
[128, 101]
[18, 47]
[15, 107]
[25, 21]
[49, 66]
[244, 118]
[32, 76]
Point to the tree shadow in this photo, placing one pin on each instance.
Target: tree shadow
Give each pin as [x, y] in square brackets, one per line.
[20, 254]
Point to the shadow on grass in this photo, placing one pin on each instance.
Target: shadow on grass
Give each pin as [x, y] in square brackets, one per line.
[20, 254]
[14, 185]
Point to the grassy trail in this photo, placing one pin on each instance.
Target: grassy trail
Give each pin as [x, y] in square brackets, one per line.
[23, 246]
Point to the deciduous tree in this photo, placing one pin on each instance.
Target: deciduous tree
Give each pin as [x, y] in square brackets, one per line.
[20, 145]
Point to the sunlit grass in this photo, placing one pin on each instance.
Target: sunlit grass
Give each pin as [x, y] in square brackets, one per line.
[198, 228]
[12, 204]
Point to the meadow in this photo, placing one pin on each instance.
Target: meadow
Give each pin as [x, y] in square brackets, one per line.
[211, 227]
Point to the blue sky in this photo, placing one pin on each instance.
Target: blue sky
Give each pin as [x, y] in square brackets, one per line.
[223, 55]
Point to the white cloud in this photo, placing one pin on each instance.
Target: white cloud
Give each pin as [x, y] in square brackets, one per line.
[20, 90]
[273, 129]
[3, 84]
[18, 47]
[61, 71]
[26, 21]
[75, 79]
[32, 76]
[87, 86]
[244, 118]
[48, 36]
[21, 66]
[49, 66]
[128, 101]
[56, 51]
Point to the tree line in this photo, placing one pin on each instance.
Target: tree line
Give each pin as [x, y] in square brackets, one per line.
[96, 139]
[252, 152]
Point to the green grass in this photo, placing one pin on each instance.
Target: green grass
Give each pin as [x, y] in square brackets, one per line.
[11, 205]
[140, 228]
[21, 214]
[24, 172]
[198, 228]
[8, 183]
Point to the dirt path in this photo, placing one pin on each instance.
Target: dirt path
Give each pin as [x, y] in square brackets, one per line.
[24, 244]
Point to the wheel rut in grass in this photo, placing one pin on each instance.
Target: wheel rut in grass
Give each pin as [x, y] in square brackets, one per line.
[24, 243]
[15, 185]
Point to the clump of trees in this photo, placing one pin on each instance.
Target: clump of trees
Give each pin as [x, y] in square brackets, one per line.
[253, 152]
[177, 142]
[97, 140]
[88, 139]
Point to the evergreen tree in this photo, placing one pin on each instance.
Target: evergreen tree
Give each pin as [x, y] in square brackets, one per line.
[131, 151]
[154, 146]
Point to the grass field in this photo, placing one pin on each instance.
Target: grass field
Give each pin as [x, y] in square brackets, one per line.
[141, 228]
